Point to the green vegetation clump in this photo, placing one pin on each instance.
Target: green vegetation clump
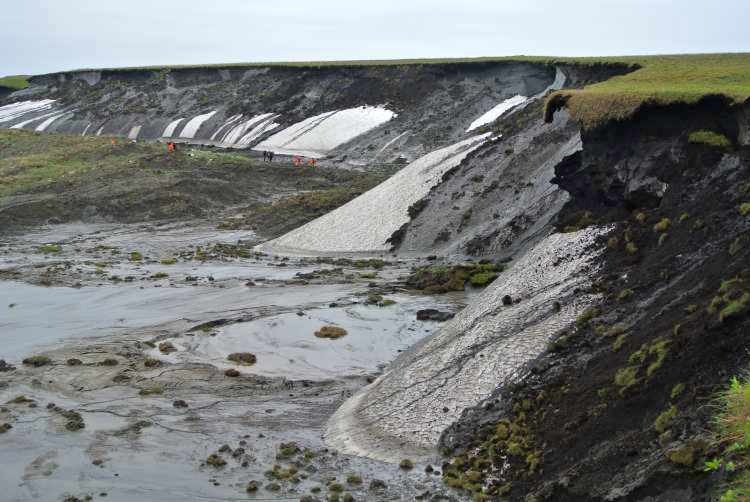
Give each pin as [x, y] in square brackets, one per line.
[159, 275]
[732, 299]
[168, 261]
[631, 248]
[482, 279]
[586, 316]
[288, 450]
[625, 294]
[135, 256]
[154, 390]
[677, 390]
[50, 248]
[150, 362]
[406, 464]
[744, 208]
[663, 225]
[37, 361]
[710, 138]
[731, 432]
[354, 479]
[167, 348]
[215, 460]
[442, 279]
[665, 419]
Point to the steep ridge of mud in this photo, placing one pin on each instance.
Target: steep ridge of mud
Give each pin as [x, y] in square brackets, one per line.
[615, 408]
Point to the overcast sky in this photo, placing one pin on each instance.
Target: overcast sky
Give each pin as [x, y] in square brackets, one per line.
[39, 36]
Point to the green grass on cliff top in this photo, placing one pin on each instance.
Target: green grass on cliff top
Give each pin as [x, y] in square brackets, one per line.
[15, 82]
[658, 80]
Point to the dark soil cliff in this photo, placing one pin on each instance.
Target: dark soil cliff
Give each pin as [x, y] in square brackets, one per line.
[619, 407]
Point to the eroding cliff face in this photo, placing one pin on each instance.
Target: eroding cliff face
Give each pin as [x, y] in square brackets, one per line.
[360, 115]
[614, 409]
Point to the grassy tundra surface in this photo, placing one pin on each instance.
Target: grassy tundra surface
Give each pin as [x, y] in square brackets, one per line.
[658, 80]
[14, 82]
[68, 177]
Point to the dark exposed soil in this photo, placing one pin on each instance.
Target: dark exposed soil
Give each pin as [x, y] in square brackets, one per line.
[591, 411]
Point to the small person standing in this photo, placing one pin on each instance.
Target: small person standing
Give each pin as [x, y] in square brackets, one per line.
[265, 155]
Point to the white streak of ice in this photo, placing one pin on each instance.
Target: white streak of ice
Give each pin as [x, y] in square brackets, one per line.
[17, 110]
[496, 112]
[365, 223]
[169, 130]
[134, 132]
[225, 125]
[238, 131]
[44, 125]
[316, 136]
[192, 126]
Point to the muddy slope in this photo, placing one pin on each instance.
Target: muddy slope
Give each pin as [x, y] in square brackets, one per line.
[616, 408]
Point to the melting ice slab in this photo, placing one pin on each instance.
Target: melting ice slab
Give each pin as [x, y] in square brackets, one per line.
[497, 112]
[316, 136]
[403, 413]
[366, 223]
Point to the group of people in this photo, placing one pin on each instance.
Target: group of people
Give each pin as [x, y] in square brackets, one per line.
[297, 160]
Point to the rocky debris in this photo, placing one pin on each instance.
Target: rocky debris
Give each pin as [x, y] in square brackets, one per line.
[231, 372]
[5, 427]
[331, 332]
[5, 366]
[167, 348]
[434, 315]
[73, 362]
[179, 403]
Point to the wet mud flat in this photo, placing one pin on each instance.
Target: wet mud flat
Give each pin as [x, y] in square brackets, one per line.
[128, 389]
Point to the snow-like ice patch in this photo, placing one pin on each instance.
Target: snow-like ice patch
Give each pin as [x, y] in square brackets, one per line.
[169, 130]
[192, 126]
[134, 132]
[365, 223]
[18, 110]
[44, 125]
[245, 131]
[316, 136]
[404, 412]
[497, 111]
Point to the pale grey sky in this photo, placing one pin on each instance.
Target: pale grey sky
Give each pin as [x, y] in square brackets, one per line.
[39, 36]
